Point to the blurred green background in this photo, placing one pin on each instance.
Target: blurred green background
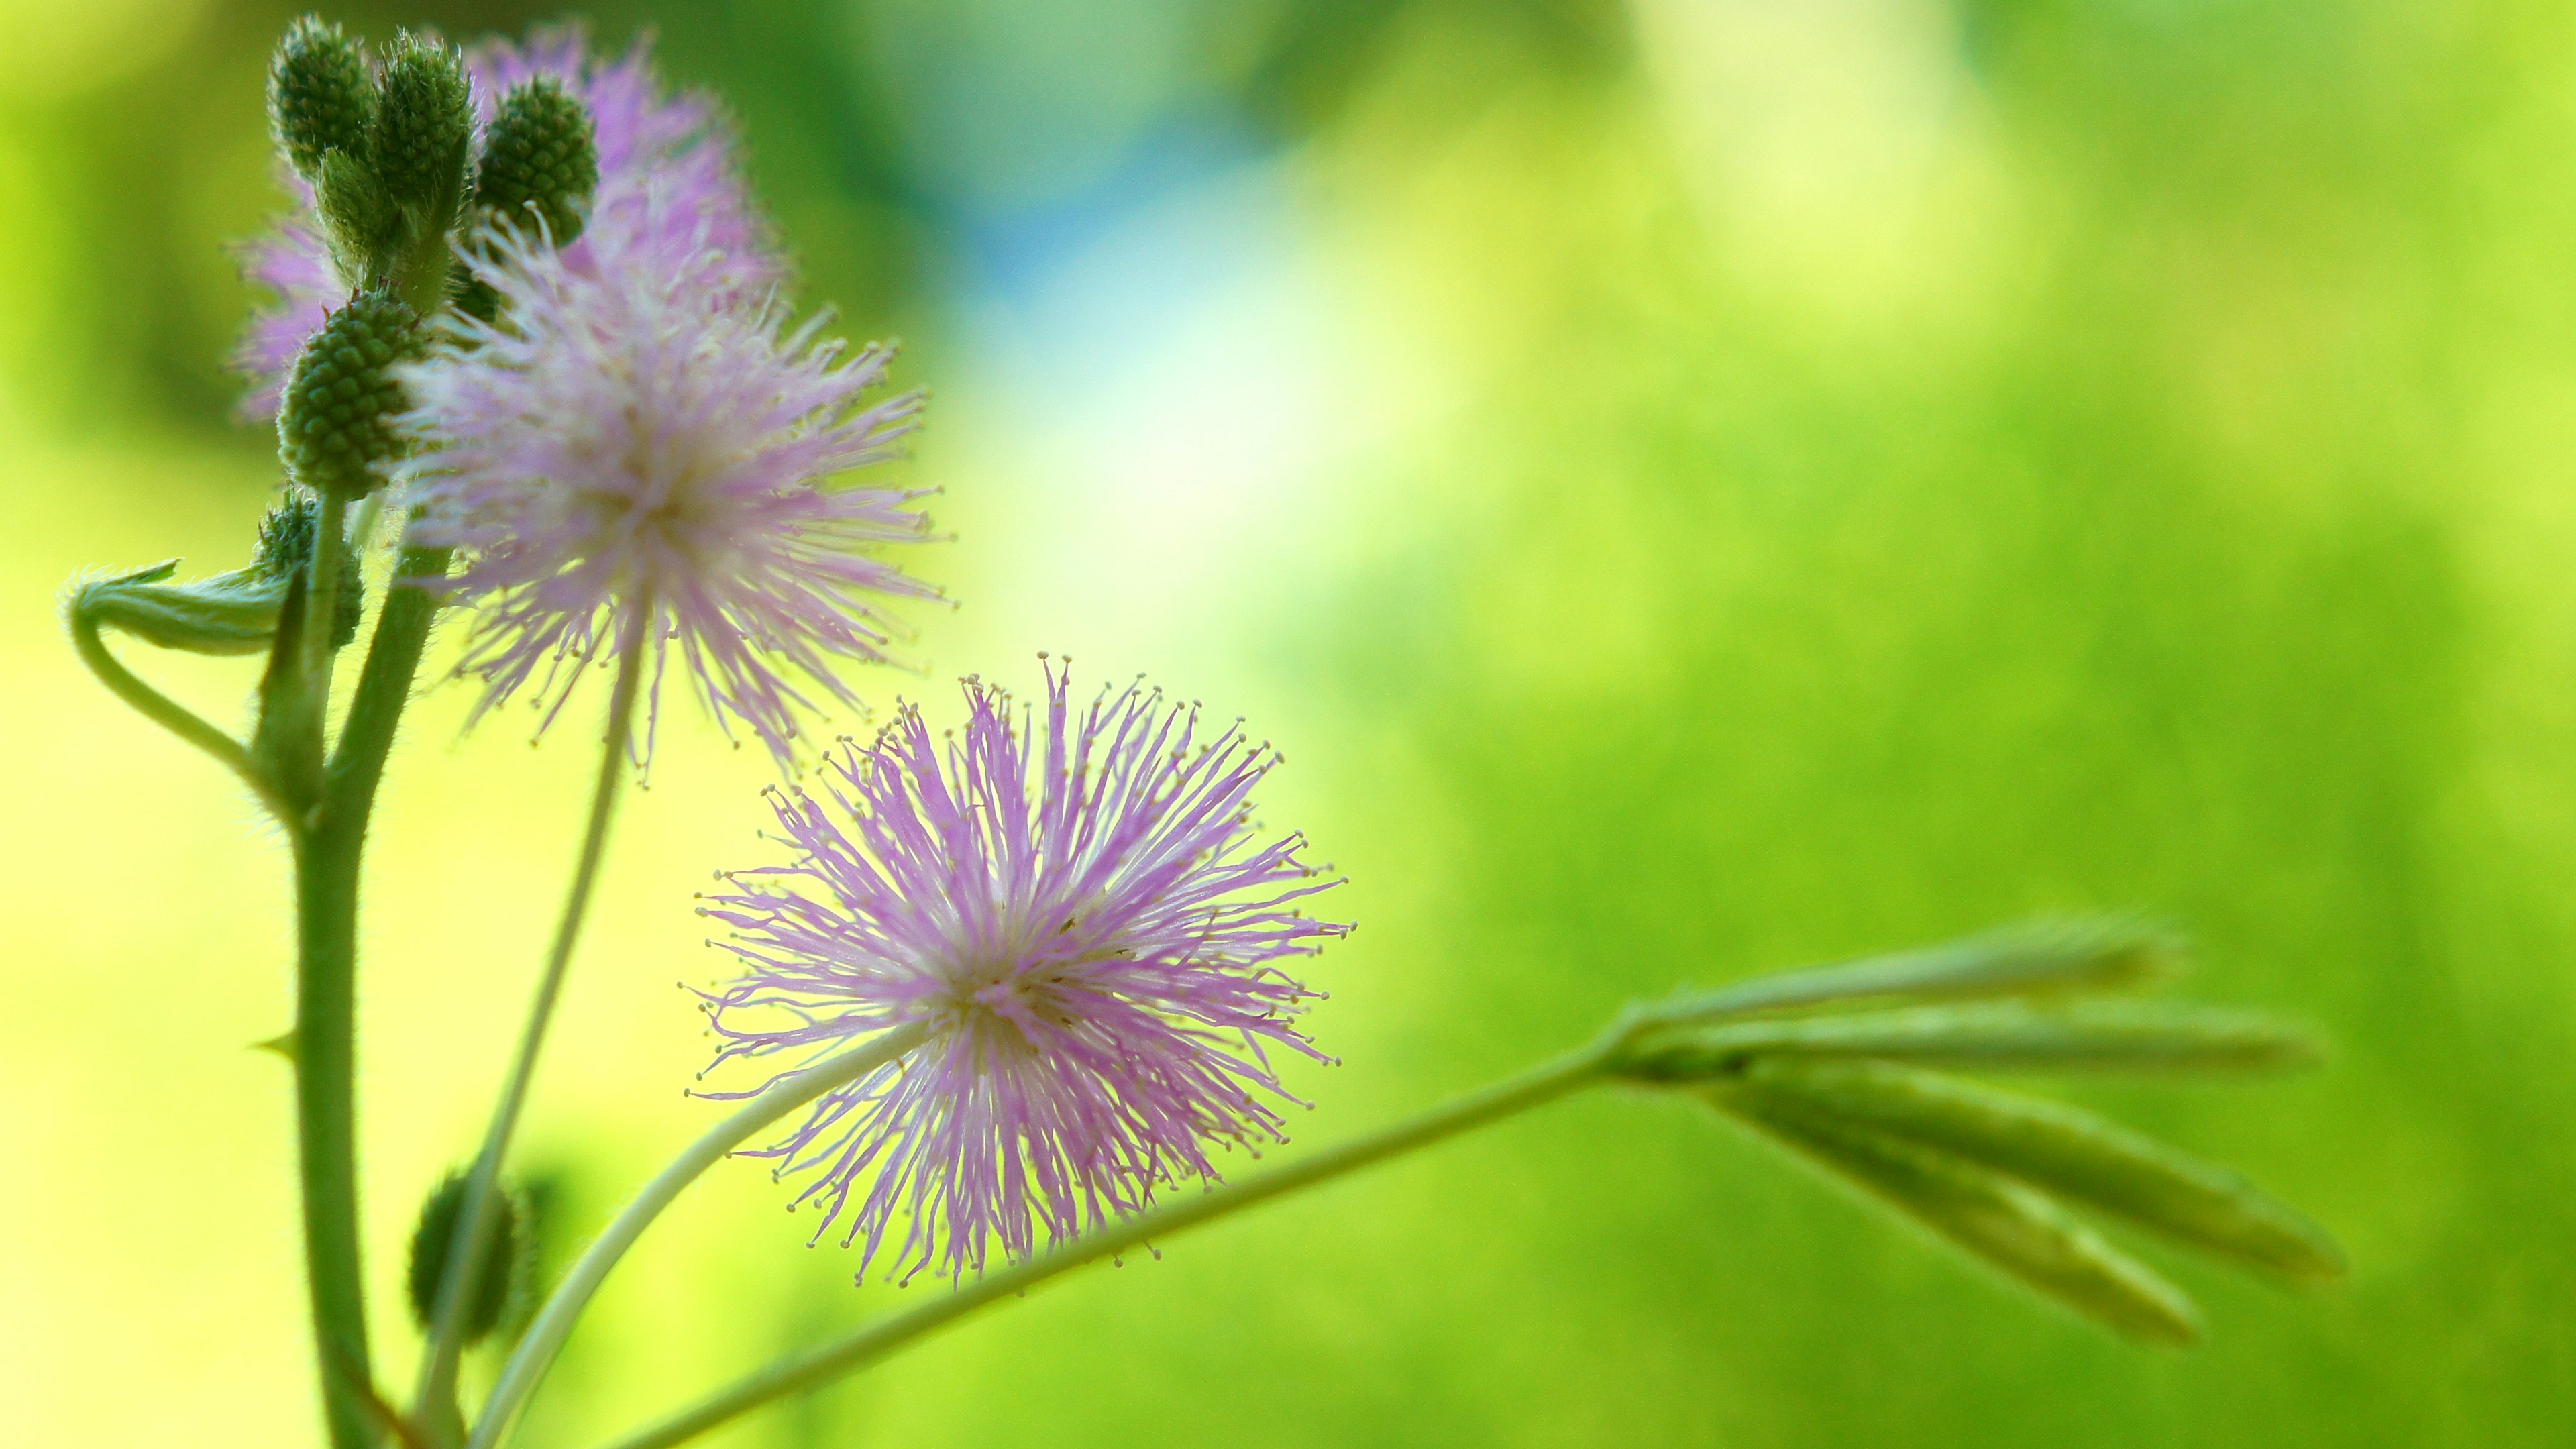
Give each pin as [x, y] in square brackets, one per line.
[1694, 486]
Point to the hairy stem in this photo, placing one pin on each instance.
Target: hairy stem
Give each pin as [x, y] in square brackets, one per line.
[830, 1361]
[472, 1242]
[328, 845]
[326, 915]
[553, 1324]
[322, 601]
[384, 684]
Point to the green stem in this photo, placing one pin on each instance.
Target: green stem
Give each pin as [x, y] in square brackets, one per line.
[553, 1324]
[328, 846]
[821, 1365]
[326, 902]
[472, 1242]
[322, 600]
[167, 712]
[384, 684]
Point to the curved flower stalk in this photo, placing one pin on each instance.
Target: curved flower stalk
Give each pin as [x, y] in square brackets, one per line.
[1081, 913]
[668, 186]
[633, 460]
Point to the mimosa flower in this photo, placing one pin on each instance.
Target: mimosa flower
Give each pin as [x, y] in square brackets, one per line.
[1084, 917]
[635, 458]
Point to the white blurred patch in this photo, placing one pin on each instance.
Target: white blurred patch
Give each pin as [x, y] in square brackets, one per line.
[1178, 402]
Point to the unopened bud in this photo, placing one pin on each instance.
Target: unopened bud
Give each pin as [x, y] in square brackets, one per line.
[286, 549]
[424, 123]
[539, 158]
[320, 97]
[286, 537]
[335, 422]
[499, 1286]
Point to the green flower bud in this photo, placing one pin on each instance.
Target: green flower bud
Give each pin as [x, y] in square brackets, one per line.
[335, 422]
[285, 546]
[539, 157]
[503, 1283]
[424, 124]
[286, 550]
[320, 97]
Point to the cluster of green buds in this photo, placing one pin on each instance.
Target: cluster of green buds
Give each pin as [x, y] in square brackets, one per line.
[386, 153]
[540, 161]
[389, 152]
[1852, 1068]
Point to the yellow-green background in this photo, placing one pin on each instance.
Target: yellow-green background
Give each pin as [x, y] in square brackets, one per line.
[1694, 486]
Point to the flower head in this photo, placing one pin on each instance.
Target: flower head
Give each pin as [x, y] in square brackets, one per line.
[637, 458]
[1085, 920]
[668, 186]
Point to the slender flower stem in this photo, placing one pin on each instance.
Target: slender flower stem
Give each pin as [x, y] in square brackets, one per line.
[821, 1365]
[472, 1243]
[545, 1336]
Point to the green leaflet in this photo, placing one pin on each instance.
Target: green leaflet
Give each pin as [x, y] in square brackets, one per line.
[1989, 1215]
[233, 613]
[2096, 1036]
[2060, 1149]
[2048, 958]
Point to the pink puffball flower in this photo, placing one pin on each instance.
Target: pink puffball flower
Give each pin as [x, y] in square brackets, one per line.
[668, 184]
[638, 459]
[1089, 926]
